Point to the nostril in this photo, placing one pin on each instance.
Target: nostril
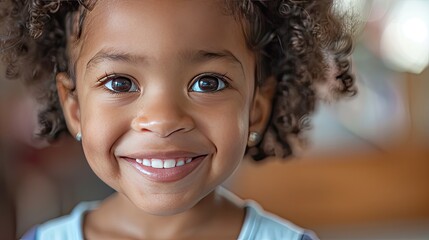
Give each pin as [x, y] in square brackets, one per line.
[163, 127]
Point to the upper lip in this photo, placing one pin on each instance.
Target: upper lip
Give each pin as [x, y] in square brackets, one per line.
[163, 155]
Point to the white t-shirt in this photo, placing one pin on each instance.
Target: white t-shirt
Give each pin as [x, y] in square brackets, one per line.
[261, 225]
[258, 225]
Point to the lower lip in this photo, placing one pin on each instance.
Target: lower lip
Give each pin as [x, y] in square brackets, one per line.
[167, 174]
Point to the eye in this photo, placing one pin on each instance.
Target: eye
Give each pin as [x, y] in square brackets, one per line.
[120, 84]
[208, 83]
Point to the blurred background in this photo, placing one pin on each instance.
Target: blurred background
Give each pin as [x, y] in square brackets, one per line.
[365, 174]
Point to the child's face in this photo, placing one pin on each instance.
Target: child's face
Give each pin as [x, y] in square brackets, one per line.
[185, 89]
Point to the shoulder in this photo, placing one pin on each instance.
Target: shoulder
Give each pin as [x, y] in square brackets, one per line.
[65, 227]
[260, 224]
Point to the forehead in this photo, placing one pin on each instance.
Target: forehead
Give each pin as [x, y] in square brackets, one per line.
[158, 27]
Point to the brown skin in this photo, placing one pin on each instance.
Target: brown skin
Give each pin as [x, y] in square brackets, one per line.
[165, 39]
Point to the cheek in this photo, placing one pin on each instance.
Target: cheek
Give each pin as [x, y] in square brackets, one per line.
[234, 130]
[101, 127]
[227, 129]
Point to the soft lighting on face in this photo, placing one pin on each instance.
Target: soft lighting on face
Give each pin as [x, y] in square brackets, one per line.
[405, 40]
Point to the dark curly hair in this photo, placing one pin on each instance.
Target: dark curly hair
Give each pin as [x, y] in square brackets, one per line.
[304, 44]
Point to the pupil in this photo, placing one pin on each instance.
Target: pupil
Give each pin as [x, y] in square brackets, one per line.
[121, 85]
[209, 84]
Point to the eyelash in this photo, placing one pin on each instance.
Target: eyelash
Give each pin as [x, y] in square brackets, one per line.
[106, 77]
[221, 77]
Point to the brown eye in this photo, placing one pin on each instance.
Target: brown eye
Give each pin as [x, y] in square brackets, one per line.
[120, 84]
[208, 83]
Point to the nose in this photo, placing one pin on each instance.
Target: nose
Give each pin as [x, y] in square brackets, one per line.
[163, 116]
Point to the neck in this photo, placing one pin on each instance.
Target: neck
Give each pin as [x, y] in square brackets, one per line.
[119, 216]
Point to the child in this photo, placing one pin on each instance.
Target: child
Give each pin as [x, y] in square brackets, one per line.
[167, 97]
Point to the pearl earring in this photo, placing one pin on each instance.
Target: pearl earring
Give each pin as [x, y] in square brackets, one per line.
[78, 136]
[254, 139]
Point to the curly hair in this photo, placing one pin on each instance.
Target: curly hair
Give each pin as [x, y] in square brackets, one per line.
[304, 44]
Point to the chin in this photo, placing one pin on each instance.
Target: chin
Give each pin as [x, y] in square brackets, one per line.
[164, 205]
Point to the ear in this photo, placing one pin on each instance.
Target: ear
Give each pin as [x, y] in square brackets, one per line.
[69, 102]
[262, 105]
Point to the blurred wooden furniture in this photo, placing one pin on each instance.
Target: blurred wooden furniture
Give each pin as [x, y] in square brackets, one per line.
[355, 188]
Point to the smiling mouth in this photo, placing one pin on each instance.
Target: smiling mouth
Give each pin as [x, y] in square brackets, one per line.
[164, 169]
[165, 163]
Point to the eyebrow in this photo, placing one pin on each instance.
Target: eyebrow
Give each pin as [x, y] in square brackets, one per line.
[113, 55]
[203, 55]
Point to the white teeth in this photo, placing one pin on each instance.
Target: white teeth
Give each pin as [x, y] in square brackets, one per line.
[180, 162]
[146, 162]
[169, 163]
[157, 163]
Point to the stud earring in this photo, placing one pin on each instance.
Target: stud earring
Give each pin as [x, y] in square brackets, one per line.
[254, 139]
[78, 136]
